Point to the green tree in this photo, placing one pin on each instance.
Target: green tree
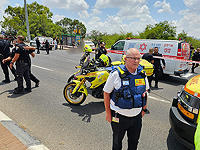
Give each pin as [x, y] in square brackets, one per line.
[65, 24]
[68, 25]
[39, 19]
[162, 30]
[182, 35]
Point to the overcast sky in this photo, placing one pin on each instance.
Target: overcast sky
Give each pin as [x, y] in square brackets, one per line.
[128, 15]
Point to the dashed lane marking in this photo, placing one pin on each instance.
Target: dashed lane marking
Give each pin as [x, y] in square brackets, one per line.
[42, 68]
[165, 101]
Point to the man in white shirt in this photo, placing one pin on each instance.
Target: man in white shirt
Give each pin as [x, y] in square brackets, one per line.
[125, 99]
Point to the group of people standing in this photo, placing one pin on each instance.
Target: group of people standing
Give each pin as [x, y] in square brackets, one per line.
[20, 57]
[47, 45]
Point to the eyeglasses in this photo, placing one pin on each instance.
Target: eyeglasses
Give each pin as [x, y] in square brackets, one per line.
[134, 58]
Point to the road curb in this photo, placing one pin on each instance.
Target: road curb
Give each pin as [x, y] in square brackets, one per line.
[21, 134]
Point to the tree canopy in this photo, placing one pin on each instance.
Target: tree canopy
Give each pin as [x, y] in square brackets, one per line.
[162, 30]
[40, 22]
[68, 25]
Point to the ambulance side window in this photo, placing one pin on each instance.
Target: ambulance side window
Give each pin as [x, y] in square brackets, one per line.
[118, 46]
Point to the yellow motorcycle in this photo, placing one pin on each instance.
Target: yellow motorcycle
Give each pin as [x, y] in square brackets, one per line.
[75, 92]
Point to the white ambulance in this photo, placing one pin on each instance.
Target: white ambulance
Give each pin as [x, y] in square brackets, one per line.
[174, 52]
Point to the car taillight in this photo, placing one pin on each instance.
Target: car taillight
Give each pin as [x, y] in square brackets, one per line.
[189, 105]
[179, 52]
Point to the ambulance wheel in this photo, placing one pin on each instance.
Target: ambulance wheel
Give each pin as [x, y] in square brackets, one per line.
[73, 99]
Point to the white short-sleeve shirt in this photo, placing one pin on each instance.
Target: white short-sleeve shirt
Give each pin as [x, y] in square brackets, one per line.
[114, 81]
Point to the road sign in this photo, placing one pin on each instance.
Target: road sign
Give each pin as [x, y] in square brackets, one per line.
[3, 32]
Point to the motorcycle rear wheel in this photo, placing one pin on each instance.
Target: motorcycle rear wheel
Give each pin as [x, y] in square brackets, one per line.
[73, 99]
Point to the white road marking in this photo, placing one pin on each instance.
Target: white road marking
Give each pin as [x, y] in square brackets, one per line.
[42, 68]
[186, 75]
[159, 99]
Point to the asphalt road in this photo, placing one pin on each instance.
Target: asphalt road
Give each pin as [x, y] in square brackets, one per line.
[46, 115]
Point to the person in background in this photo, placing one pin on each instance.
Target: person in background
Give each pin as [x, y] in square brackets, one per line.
[32, 77]
[47, 46]
[195, 57]
[149, 57]
[55, 44]
[57, 40]
[61, 44]
[122, 110]
[191, 51]
[22, 65]
[157, 66]
[38, 45]
[100, 50]
[4, 53]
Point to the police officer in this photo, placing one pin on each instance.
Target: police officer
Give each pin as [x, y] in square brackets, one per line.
[157, 66]
[47, 46]
[32, 77]
[125, 100]
[38, 45]
[5, 52]
[100, 50]
[195, 57]
[22, 66]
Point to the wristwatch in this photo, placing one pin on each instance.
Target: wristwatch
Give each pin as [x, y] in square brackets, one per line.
[144, 110]
[11, 62]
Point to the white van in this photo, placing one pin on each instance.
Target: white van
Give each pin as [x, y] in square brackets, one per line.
[168, 48]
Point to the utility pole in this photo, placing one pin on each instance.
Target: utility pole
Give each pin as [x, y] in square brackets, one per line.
[27, 24]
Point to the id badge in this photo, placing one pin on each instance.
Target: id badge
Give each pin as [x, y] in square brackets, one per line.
[114, 119]
[125, 81]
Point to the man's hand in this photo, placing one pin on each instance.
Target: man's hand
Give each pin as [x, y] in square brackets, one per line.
[11, 66]
[3, 61]
[108, 116]
[26, 47]
[143, 113]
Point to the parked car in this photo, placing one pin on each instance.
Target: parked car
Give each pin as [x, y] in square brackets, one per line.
[185, 112]
[90, 43]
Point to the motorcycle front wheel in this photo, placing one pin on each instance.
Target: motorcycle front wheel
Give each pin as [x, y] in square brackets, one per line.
[73, 99]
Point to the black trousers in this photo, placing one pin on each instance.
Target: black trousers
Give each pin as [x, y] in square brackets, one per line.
[158, 73]
[32, 77]
[131, 125]
[47, 50]
[194, 66]
[5, 67]
[61, 47]
[38, 49]
[150, 78]
[23, 71]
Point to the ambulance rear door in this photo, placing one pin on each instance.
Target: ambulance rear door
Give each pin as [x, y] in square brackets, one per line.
[182, 54]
